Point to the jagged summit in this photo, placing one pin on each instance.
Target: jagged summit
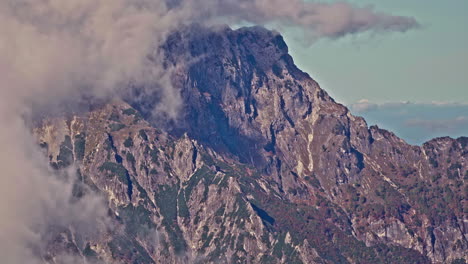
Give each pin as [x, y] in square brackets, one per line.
[264, 167]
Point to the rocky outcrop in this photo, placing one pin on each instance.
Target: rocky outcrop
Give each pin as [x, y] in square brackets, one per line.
[266, 112]
[263, 167]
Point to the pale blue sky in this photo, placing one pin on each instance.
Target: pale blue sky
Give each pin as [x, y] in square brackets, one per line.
[423, 65]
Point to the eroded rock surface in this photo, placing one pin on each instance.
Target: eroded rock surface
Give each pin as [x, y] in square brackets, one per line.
[264, 167]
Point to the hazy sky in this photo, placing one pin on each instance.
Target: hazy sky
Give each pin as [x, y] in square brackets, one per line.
[422, 65]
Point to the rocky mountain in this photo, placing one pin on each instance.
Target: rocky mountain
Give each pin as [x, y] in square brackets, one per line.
[263, 167]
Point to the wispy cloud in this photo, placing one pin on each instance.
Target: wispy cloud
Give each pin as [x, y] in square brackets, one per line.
[55, 52]
[332, 20]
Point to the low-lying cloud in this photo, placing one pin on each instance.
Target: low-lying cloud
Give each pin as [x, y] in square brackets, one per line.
[55, 52]
[452, 124]
[364, 105]
[34, 198]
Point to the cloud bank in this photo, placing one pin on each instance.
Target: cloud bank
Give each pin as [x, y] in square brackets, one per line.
[55, 53]
[451, 124]
[364, 105]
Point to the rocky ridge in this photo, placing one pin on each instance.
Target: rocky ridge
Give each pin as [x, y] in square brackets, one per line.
[263, 167]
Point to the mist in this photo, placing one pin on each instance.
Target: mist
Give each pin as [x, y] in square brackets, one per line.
[55, 53]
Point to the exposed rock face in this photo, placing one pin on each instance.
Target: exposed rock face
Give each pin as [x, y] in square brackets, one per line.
[264, 167]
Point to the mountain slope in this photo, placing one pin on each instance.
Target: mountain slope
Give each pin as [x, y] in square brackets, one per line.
[263, 166]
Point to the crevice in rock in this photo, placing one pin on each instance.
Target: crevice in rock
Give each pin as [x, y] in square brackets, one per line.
[271, 147]
[118, 158]
[266, 218]
[283, 110]
[308, 112]
[129, 185]
[195, 155]
[360, 158]
[280, 177]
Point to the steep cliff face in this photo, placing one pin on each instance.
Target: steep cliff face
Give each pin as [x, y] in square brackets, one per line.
[263, 166]
[262, 109]
[170, 200]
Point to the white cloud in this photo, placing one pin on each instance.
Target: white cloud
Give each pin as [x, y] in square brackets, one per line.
[332, 20]
[54, 52]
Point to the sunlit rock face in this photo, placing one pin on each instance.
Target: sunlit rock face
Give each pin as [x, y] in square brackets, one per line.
[261, 167]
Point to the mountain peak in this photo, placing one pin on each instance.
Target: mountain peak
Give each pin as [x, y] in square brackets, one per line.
[262, 167]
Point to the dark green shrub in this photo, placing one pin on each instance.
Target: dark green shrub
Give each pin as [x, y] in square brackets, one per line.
[128, 143]
[137, 220]
[88, 252]
[166, 199]
[182, 206]
[458, 261]
[129, 111]
[116, 170]
[116, 127]
[128, 249]
[114, 117]
[80, 143]
[143, 135]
